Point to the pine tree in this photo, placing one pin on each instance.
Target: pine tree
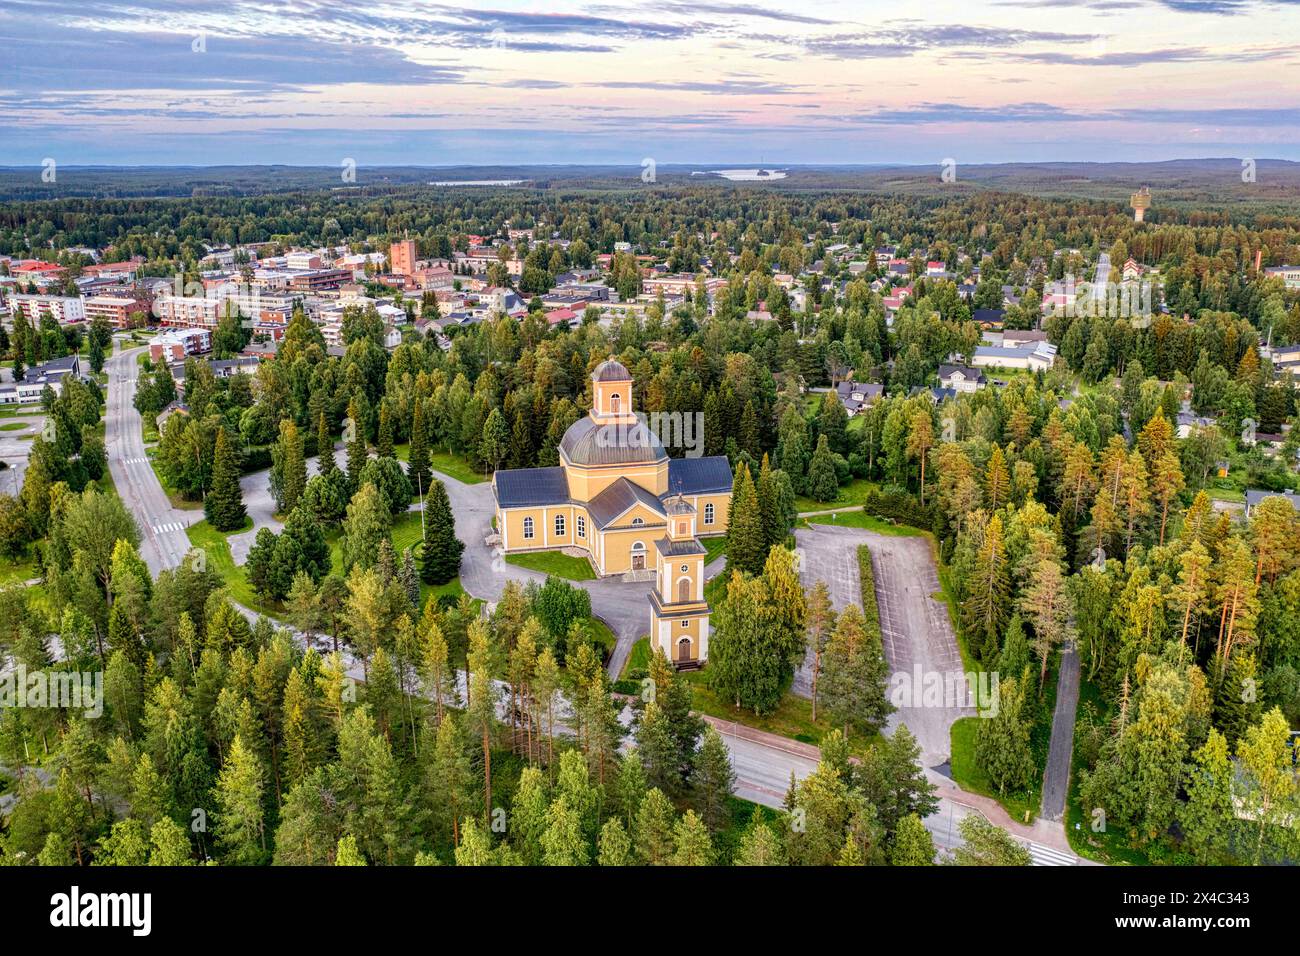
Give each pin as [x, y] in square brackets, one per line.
[563, 843]
[913, 844]
[691, 843]
[713, 780]
[347, 853]
[658, 751]
[169, 845]
[224, 503]
[239, 800]
[854, 674]
[1207, 817]
[614, 847]
[759, 846]
[654, 829]
[441, 551]
[746, 536]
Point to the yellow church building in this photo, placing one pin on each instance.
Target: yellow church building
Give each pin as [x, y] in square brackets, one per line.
[618, 498]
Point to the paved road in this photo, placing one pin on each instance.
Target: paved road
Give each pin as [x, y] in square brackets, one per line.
[1056, 775]
[918, 635]
[164, 543]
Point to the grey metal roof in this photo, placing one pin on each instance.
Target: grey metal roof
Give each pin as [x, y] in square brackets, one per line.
[518, 487]
[589, 443]
[698, 476]
[679, 549]
[1255, 495]
[617, 499]
[611, 370]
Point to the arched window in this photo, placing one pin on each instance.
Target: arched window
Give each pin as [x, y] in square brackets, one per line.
[582, 526]
[559, 526]
[528, 527]
[708, 513]
[637, 522]
[615, 402]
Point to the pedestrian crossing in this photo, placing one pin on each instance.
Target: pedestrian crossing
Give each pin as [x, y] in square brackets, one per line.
[168, 527]
[134, 461]
[1046, 856]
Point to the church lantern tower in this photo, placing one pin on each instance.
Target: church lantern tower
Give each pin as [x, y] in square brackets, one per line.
[679, 615]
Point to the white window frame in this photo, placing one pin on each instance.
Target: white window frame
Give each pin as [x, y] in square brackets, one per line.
[581, 526]
[559, 526]
[708, 513]
[528, 528]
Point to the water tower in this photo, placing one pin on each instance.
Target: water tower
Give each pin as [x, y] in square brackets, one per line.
[1140, 201]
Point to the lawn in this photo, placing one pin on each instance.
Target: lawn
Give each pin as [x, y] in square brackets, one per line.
[860, 519]
[14, 426]
[17, 570]
[714, 547]
[792, 717]
[554, 562]
[20, 411]
[1022, 806]
[638, 660]
[217, 553]
[173, 496]
[455, 466]
[853, 494]
[405, 532]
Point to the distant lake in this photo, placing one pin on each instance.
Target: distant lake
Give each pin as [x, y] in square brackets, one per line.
[478, 182]
[744, 175]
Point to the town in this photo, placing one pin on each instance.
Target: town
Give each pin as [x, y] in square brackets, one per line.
[834, 530]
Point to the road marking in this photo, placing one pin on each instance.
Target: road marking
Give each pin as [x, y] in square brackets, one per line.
[1047, 856]
[168, 527]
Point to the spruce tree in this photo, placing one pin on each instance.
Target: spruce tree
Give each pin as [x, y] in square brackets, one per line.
[441, 550]
[224, 504]
[417, 467]
[326, 464]
[823, 485]
[384, 443]
[746, 537]
[358, 453]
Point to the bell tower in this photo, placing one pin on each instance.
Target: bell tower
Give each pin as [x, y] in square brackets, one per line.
[679, 615]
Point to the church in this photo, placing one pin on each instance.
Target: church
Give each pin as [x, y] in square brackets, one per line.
[618, 498]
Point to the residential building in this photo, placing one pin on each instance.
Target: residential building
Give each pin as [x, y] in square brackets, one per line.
[857, 396]
[117, 309]
[66, 309]
[175, 345]
[960, 378]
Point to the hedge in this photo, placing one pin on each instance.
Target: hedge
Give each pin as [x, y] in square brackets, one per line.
[900, 507]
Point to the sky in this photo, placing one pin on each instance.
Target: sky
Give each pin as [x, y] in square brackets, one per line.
[716, 82]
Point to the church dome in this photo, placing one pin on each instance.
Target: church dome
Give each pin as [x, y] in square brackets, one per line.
[611, 370]
[588, 442]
